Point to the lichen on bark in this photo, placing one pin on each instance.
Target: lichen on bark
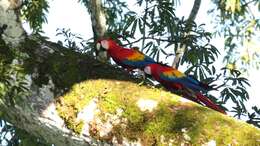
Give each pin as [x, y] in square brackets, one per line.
[14, 33]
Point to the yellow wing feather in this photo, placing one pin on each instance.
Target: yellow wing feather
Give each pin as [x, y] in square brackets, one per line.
[136, 56]
[174, 73]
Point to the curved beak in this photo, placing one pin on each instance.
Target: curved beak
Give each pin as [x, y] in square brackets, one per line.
[99, 47]
[147, 70]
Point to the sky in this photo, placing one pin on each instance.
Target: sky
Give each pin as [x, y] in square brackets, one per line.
[73, 15]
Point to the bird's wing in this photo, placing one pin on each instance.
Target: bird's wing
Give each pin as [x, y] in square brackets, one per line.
[135, 58]
[175, 76]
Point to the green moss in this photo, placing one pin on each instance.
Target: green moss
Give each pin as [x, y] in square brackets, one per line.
[171, 119]
[225, 130]
[77, 127]
[118, 94]
[112, 95]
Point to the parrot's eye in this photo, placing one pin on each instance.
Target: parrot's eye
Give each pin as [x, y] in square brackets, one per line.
[105, 44]
[147, 70]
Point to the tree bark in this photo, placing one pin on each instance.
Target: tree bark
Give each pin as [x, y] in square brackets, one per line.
[98, 20]
[75, 100]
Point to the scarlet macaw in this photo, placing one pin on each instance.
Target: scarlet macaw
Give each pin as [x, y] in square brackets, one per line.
[174, 80]
[125, 57]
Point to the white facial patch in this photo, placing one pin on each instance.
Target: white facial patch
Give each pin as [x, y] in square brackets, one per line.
[105, 44]
[147, 70]
[98, 46]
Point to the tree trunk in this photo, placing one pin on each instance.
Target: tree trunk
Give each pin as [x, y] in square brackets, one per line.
[75, 100]
[98, 20]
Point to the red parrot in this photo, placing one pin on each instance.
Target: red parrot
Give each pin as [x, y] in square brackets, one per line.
[174, 80]
[125, 57]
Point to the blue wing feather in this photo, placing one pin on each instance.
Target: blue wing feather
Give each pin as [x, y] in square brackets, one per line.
[138, 63]
[186, 81]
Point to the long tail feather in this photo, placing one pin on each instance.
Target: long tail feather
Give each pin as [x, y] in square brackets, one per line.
[209, 103]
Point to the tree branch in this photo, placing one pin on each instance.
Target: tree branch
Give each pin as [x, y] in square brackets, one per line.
[193, 13]
[181, 48]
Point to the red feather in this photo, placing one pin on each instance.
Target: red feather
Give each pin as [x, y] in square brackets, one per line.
[209, 103]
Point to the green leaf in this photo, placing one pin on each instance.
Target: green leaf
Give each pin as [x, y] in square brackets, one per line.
[141, 26]
[147, 47]
[134, 27]
[129, 21]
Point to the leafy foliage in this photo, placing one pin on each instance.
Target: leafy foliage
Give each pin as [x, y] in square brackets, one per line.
[163, 33]
[235, 89]
[71, 40]
[238, 23]
[13, 86]
[34, 12]
[254, 118]
[12, 78]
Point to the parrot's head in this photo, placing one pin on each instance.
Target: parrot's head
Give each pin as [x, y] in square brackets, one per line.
[100, 46]
[152, 68]
[106, 44]
[148, 69]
